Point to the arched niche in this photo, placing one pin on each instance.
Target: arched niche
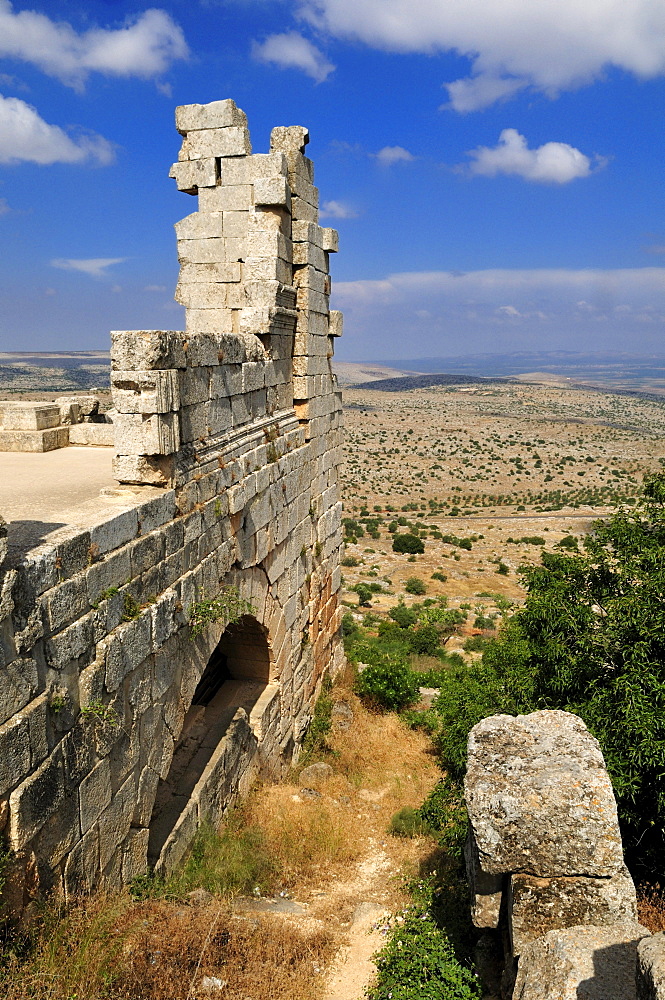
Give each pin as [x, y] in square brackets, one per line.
[236, 675]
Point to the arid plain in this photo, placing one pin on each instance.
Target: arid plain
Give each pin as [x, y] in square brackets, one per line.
[515, 467]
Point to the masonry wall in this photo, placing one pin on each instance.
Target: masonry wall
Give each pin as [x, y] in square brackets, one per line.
[228, 441]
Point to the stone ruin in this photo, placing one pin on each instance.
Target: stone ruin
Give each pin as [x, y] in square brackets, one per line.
[120, 732]
[544, 858]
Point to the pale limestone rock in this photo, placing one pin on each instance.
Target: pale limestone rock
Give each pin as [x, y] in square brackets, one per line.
[539, 905]
[651, 968]
[217, 114]
[191, 175]
[486, 890]
[539, 797]
[336, 328]
[210, 142]
[581, 963]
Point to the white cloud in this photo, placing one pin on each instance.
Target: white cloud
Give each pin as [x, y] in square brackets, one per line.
[502, 309]
[155, 288]
[550, 45]
[337, 210]
[95, 267]
[551, 163]
[144, 47]
[394, 154]
[291, 51]
[25, 137]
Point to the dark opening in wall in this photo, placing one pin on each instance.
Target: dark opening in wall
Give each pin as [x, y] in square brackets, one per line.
[235, 676]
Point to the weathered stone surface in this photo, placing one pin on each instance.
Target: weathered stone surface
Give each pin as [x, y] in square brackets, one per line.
[581, 963]
[539, 797]
[651, 968]
[539, 905]
[122, 734]
[486, 890]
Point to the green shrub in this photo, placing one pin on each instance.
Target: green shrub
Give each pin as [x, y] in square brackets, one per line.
[441, 577]
[404, 616]
[391, 685]
[350, 561]
[444, 813]
[408, 543]
[414, 585]
[424, 639]
[408, 823]
[364, 592]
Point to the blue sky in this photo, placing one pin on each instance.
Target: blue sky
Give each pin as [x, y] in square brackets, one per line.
[495, 167]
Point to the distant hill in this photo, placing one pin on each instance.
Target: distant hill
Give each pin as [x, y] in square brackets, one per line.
[406, 382]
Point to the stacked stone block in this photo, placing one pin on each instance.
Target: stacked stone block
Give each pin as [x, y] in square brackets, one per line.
[228, 469]
[544, 852]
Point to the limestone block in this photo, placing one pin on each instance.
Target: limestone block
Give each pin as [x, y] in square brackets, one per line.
[330, 240]
[115, 530]
[289, 138]
[307, 276]
[145, 392]
[307, 253]
[539, 797]
[226, 198]
[15, 754]
[19, 685]
[200, 296]
[190, 273]
[268, 244]
[195, 422]
[82, 866]
[190, 175]
[200, 225]
[210, 251]
[135, 854]
[217, 114]
[195, 384]
[215, 321]
[268, 269]
[37, 798]
[651, 968]
[236, 224]
[65, 602]
[147, 434]
[74, 409]
[303, 231]
[201, 143]
[92, 435]
[486, 890]
[235, 249]
[34, 441]
[147, 349]
[266, 165]
[130, 646]
[336, 323]
[28, 416]
[302, 210]
[94, 794]
[149, 470]
[581, 963]
[272, 191]
[539, 905]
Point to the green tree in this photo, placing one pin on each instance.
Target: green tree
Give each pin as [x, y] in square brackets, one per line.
[408, 543]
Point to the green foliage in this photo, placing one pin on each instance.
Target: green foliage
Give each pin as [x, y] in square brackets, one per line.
[233, 862]
[349, 625]
[568, 542]
[528, 540]
[350, 561]
[364, 592]
[408, 543]
[444, 812]
[390, 684]
[131, 608]
[502, 569]
[315, 743]
[227, 607]
[405, 617]
[407, 822]
[418, 961]
[414, 585]
[439, 576]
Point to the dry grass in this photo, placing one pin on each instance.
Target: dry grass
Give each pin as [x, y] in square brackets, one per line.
[651, 907]
[114, 949]
[320, 848]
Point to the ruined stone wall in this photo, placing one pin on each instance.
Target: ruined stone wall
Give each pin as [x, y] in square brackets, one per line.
[549, 887]
[228, 442]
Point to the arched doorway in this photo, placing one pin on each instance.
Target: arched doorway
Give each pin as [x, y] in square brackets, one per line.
[235, 676]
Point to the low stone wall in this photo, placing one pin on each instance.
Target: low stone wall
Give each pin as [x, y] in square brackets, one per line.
[545, 863]
[120, 731]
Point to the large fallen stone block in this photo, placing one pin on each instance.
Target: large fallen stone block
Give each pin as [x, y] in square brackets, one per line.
[651, 968]
[581, 963]
[539, 905]
[28, 416]
[539, 797]
[37, 441]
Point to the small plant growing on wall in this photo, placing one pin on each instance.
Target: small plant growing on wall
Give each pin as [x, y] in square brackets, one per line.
[228, 607]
